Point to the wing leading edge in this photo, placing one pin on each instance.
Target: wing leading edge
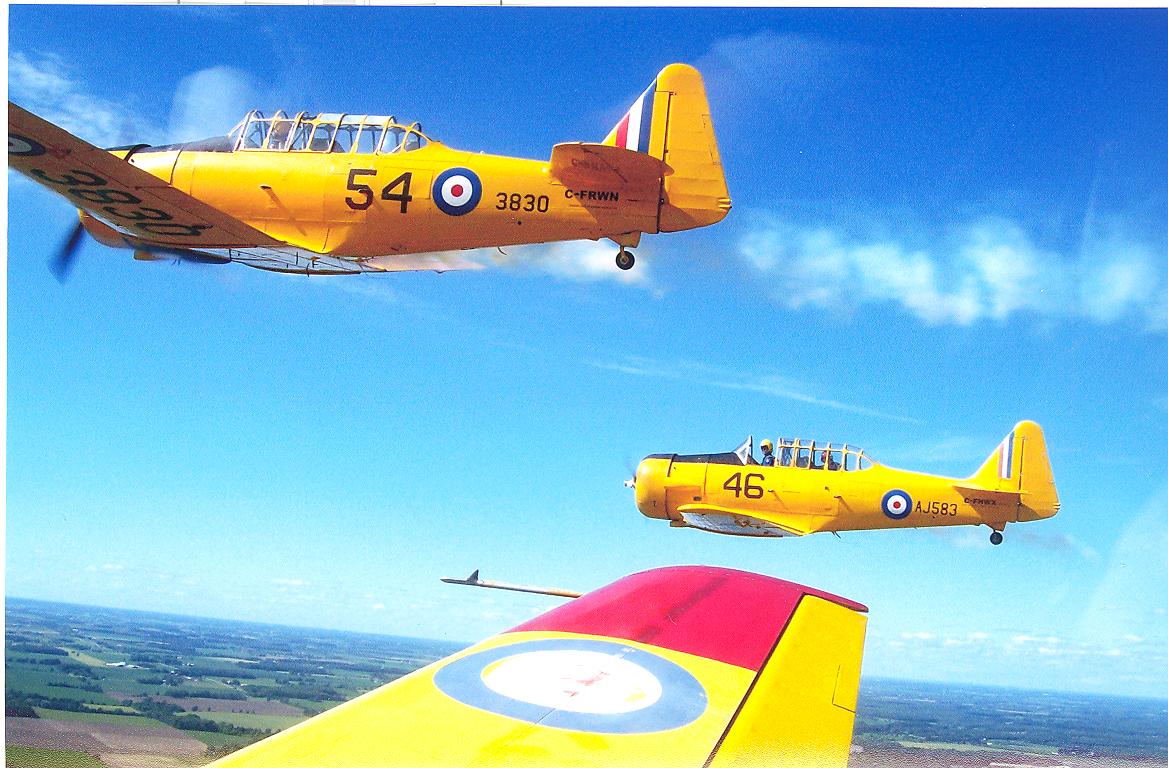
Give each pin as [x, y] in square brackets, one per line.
[678, 666]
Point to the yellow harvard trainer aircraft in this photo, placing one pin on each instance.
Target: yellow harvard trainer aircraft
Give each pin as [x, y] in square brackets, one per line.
[342, 194]
[810, 487]
[674, 667]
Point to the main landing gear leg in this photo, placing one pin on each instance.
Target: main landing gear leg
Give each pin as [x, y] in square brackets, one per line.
[996, 538]
[625, 259]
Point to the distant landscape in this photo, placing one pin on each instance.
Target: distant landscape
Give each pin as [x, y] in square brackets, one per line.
[91, 687]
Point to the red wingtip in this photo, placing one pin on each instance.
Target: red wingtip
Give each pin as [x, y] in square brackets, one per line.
[719, 613]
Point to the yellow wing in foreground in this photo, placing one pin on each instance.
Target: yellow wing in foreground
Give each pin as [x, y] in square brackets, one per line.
[109, 188]
[679, 666]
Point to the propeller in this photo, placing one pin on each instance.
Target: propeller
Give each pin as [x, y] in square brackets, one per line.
[632, 470]
[61, 264]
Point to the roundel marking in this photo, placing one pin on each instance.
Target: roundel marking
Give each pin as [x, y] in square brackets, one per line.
[595, 686]
[24, 147]
[896, 504]
[457, 191]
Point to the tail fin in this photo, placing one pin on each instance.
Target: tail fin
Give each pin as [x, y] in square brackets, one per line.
[671, 122]
[1020, 465]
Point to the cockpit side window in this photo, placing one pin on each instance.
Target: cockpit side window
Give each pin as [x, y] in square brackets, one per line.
[346, 135]
[255, 132]
[818, 459]
[786, 452]
[413, 140]
[322, 137]
[303, 132]
[865, 462]
[835, 459]
[369, 138]
[849, 462]
[394, 135]
[279, 135]
[803, 457]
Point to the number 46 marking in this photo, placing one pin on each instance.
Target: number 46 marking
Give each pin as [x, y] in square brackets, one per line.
[736, 485]
[387, 193]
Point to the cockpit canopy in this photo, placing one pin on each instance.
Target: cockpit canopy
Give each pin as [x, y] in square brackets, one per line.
[808, 454]
[327, 132]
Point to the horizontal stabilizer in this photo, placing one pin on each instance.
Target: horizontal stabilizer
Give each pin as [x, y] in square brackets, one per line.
[578, 163]
[986, 493]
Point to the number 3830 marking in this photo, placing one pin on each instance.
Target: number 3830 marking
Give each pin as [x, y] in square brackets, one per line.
[513, 201]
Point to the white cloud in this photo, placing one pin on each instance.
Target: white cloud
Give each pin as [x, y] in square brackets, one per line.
[765, 384]
[45, 86]
[990, 270]
[577, 260]
[209, 102]
[377, 607]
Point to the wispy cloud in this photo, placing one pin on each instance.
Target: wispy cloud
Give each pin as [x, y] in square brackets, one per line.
[577, 260]
[209, 102]
[798, 69]
[992, 269]
[46, 85]
[765, 384]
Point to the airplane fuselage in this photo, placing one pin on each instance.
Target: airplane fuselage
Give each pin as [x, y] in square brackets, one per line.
[839, 489]
[430, 199]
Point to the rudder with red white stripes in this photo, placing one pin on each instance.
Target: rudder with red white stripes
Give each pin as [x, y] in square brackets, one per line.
[671, 121]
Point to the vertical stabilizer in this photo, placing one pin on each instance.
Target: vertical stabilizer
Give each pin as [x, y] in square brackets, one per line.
[1020, 465]
[671, 122]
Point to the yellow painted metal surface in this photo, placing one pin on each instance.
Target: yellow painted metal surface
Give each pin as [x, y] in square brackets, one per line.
[410, 722]
[801, 709]
[361, 205]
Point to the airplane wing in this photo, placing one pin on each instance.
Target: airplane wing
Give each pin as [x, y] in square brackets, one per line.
[684, 666]
[127, 198]
[734, 522]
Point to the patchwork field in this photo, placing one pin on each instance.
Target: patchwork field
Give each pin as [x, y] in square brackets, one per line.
[137, 690]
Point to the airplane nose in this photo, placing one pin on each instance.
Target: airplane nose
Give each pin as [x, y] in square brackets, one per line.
[650, 487]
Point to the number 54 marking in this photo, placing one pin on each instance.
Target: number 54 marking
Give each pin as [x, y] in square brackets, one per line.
[387, 193]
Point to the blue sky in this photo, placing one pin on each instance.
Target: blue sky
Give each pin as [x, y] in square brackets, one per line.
[943, 222]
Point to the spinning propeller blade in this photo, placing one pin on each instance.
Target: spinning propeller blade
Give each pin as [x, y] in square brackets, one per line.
[62, 263]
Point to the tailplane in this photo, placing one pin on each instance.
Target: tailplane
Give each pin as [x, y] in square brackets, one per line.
[671, 122]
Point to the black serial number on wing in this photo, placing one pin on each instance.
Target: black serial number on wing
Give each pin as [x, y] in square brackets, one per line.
[122, 205]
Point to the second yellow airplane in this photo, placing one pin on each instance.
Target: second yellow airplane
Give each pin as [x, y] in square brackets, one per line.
[341, 193]
[807, 487]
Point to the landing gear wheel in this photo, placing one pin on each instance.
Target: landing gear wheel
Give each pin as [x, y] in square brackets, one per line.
[625, 259]
[996, 538]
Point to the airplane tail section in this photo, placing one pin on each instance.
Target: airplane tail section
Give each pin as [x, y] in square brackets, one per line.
[1019, 466]
[671, 122]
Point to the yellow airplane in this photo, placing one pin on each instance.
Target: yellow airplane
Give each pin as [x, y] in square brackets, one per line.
[661, 668]
[814, 486]
[342, 194]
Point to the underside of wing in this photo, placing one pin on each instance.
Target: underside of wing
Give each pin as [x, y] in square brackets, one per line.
[685, 666]
[737, 523]
[129, 199]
